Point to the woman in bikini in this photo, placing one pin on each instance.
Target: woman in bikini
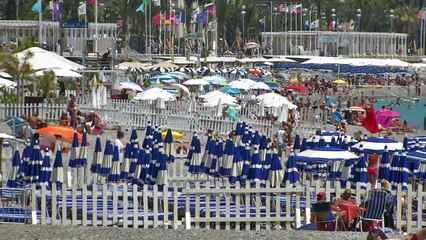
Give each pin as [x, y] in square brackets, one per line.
[373, 168]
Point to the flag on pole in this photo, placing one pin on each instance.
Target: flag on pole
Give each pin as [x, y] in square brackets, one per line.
[37, 7]
[91, 2]
[262, 21]
[209, 8]
[156, 18]
[48, 5]
[332, 24]
[82, 9]
[314, 24]
[202, 18]
[307, 24]
[141, 8]
[283, 8]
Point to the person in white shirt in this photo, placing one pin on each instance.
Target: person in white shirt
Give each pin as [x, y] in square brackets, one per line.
[120, 144]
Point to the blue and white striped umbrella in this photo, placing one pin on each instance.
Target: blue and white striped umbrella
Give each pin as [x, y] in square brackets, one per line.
[359, 173]
[394, 170]
[145, 159]
[46, 169]
[304, 145]
[266, 166]
[226, 165]
[195, 161]
[263, 148]
[237, 167]
[255, 173]
[418, 158]
[206, 154]
[125, 164]
[420, 139]
[16, 161]
[26, 155]
[139, 167]
[245, 139]
[377, 145]
[82, 156]
[97, 157]
[190, 150]
[246, 156]
[75, 151]
[58, 170]
[297, 144]
[107, 159]
[239, 130]
[161, 170]
[169, 146]
[148, 142]
[134, 154]
[255, 141]
[210, 157]
[333, 143]
[114, 176]
[291, 173]
[384, 168]
[321, 142]
[324, 155]
[34, 165]
[334, 170]
[404, 174]
[215, 165]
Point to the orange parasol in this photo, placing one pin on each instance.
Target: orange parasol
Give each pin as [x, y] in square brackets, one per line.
[56, 133]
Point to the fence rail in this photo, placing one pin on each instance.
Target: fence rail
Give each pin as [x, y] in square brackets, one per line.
[220, 206]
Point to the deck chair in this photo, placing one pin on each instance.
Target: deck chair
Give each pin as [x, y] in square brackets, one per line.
[374, 207]
[322, 208]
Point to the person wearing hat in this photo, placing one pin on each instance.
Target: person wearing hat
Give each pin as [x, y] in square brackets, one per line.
[322, 226]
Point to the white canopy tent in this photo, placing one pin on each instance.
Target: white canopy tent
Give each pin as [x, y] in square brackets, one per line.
[7, 83]
[43, 59]
[60, 73]
[275, 100]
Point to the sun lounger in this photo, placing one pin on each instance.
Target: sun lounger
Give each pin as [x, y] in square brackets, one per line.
[16, 215]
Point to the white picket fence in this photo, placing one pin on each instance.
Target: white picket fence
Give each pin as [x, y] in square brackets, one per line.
[241, 208]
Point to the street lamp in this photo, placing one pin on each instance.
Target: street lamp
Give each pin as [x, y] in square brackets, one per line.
[17, 9]
[243, 13]
[358, 18]
[391, 17]
[333, 17]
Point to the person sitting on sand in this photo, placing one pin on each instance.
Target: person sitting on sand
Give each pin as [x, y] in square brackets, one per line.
[345, 198]
[323, 226]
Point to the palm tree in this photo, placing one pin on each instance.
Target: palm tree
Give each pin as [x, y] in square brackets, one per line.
[20, 71]
[47, 82]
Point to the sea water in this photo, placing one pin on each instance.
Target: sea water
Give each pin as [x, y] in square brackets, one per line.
[411, 110]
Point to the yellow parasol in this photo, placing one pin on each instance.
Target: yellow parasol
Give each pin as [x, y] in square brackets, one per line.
[174, 134]
[339, 81]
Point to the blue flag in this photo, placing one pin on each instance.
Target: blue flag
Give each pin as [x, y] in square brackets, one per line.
[202, 18]
[141, 8]
[37, 7]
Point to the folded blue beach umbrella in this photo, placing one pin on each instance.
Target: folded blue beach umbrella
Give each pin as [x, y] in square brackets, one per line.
[334, 170]
[97, 157]
[239, 130]
[148, 142]
[58, 170]
[304, 145]
[226, 165]
[16, 161]
[255, 171]
[107, 159]
[190, 150]
[114, 176]
[75, 151]
[297, 144]
[195, 161]
[404, 173]
[384, 167]
[82, 154]
[291, 173]
[169, 146]
[394, 170]
[134, 154]
[34, 165]
[145, 159]
[161, 178]
[207, 150]
[139, 167]
[46, 169]
[360, 174]
[210, 157]
[215, 163]
[266, 166]
[246, 156]
[237, 167]
[26, 155]
[125, 164]
[255, 141]
[263, 148]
